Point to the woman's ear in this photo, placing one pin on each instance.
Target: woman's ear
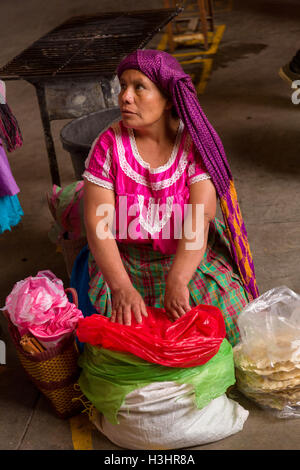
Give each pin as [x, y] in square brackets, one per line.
[169, 104]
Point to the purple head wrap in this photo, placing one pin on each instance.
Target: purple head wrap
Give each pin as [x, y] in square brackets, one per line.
[167, 74]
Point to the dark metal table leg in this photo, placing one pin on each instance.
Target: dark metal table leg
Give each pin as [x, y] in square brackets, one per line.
[40, 91]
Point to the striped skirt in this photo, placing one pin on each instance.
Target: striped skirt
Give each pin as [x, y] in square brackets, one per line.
[215, 282]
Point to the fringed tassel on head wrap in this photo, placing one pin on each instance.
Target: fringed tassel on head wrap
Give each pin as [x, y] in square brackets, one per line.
[10, 132]
[238, 238]
[167, 74]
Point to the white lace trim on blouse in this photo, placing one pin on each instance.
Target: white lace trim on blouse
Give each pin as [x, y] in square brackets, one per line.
[201, 177]
[172, 158]
[98, 181]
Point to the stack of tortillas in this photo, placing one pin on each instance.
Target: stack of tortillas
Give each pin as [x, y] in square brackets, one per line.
[272, 383]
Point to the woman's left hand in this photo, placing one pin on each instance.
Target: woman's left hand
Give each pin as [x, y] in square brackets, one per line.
[176, 300]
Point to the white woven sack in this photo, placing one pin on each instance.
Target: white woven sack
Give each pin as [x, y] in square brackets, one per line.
[163, 416]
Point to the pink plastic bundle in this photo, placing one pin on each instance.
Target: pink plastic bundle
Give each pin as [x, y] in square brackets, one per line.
[40, 306]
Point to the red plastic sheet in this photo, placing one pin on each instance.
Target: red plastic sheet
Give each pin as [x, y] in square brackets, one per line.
[190, 341]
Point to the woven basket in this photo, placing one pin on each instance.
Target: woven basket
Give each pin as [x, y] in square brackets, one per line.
[54, 371]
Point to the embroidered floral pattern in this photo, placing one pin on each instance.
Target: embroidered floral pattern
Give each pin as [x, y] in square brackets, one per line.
[153, 224]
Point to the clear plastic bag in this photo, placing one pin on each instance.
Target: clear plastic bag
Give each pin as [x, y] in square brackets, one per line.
[267, 359]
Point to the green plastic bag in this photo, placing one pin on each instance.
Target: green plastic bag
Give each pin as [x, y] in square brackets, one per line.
[108, 376]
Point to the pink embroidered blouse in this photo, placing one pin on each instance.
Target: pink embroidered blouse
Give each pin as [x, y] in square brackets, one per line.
[149, 202]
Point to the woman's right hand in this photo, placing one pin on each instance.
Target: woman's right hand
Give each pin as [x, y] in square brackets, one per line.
[125, 301]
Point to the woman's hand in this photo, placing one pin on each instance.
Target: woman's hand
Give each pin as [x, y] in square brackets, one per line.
[176, 298]
[127, 299]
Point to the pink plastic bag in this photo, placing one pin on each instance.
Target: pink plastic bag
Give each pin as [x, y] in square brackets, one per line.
[40, 306]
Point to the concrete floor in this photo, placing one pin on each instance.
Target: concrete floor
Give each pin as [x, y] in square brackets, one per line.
[250, 107]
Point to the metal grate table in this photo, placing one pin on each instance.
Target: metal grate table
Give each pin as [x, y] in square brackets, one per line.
[73, 67]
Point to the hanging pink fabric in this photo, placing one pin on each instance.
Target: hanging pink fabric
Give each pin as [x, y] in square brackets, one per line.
[10, 131]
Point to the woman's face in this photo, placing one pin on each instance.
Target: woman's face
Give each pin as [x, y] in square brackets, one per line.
[140, 100]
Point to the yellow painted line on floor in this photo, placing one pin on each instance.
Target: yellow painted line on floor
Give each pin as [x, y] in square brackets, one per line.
[207, 63]
[81, 430]
[193, 61]
[216, 39]
[204, 76]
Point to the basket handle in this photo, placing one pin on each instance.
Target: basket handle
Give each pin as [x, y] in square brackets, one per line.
[74, 294]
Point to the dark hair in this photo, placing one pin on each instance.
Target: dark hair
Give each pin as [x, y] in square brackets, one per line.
[174, 112]
[168, 97]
